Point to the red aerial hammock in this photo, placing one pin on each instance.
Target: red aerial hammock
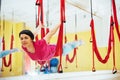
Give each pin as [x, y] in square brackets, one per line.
[115, 18]
[4, 62]
[40, 20]
[110, 41]
[74, 54]
[60, 35]
[75, 49]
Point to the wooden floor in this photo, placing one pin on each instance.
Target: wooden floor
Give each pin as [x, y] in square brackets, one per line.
[85, 75]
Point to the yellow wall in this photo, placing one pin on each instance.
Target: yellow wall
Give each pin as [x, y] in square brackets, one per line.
[17, 58]
[84, 53]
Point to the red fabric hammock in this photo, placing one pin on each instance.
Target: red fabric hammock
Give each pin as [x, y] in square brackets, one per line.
[75, 49]
[4, 61]
[59, 47]
[111, 42]
[94, 45]
[115, 18]
[74, 55]
[40, 18]
[60, 35]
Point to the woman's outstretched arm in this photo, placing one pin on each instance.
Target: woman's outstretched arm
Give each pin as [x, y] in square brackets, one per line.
[51, 33]
[37, 30]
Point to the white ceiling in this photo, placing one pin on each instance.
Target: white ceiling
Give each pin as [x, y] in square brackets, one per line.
[24, 11]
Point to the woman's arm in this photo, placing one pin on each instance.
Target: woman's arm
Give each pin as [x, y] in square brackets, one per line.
[37, 30]
[51, 33]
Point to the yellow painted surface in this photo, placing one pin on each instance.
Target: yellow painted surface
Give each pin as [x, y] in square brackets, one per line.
[17, 58]
[84, 53]
[84, 56]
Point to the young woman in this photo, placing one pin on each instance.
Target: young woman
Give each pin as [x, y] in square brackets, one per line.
[41, 50]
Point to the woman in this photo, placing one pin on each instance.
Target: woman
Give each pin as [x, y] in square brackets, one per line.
[41, 50]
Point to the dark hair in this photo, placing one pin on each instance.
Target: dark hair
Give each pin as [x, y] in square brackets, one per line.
[27, 32]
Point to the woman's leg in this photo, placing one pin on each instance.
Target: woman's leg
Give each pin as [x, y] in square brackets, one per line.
[6, 52]
[70, 46]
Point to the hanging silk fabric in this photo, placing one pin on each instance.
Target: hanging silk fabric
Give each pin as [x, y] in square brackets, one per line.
[74, 54]
[75, 49]
[94, 44]
[60, 35]
[115, 18]
[4, 61]
[40, 19]
[95, 49]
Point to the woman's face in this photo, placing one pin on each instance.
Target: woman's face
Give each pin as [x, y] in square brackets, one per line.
[25, 40]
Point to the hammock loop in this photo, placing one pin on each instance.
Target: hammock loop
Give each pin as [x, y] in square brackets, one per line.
[114, 70]
[93, 69]
[90, 40]
[60, 66]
